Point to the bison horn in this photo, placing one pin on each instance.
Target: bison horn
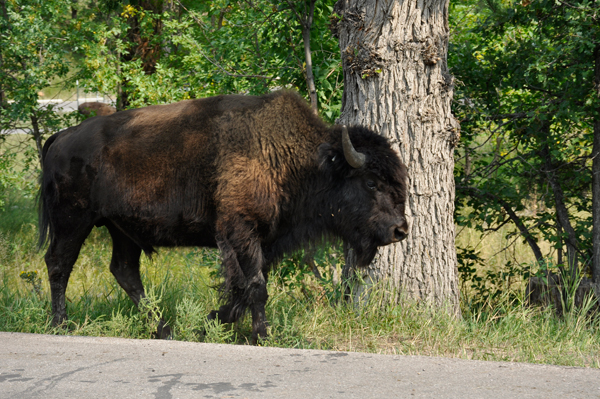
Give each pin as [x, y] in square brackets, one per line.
[353, 157]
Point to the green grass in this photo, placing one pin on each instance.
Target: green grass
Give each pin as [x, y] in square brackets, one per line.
[301, 315]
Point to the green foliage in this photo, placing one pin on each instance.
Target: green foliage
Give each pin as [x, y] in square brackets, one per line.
[524, 95]
[313, 274]
[36, 43]
[35, 50]
[527, 104]
[293, 271]
[568, 290]
[34, 280]
[485, 288]
[129, 50]
[207, 48]
[7, 181]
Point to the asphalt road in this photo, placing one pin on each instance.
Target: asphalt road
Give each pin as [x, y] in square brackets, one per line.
[33, 366]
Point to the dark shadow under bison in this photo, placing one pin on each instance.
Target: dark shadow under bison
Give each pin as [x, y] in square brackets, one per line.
[256, 177]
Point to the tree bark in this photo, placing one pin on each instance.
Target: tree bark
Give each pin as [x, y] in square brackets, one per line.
[396, 82]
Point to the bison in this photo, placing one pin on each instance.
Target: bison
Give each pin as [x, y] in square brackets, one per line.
[255, 177]
[96, 109]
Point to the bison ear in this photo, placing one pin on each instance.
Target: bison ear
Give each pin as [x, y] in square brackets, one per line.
[329, 157]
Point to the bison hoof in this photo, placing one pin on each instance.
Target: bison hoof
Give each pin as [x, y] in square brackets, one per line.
[60, 322]
[163, 331]
[259, 341]
[260, 336]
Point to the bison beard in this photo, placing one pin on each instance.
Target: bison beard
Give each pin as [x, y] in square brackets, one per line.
[256, 177]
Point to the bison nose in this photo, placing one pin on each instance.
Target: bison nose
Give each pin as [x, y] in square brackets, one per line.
[399, 235]
[399, 232]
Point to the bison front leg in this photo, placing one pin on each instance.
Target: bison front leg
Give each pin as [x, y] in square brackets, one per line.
[245, 284]
[257, 291]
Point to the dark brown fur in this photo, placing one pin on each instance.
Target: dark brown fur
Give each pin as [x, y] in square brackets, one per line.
[96, 109]
[257, 177]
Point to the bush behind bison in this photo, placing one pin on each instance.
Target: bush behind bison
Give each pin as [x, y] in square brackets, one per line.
[256, 177]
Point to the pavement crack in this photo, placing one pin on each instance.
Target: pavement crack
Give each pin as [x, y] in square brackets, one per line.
[49, 383]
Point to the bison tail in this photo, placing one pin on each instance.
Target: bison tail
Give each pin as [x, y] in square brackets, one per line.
[43, 218]
[44, 195]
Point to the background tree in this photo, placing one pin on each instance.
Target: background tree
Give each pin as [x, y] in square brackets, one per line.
[528, 105]
[255, 46]
[595, 17]
[35, 43]
[213, 48]
[396, 81]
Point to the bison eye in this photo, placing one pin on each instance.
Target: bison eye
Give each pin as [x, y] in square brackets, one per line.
[372, 185]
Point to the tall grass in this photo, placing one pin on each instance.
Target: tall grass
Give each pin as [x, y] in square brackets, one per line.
[305, 314]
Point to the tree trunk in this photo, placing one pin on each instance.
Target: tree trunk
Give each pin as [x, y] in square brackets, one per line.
[310, 79]
[559, 250]
[562, 214]
[306, 21]
[37, 135]
[396, 82]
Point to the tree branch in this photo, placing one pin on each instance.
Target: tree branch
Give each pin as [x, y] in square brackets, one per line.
[513, 216]
[561, 210]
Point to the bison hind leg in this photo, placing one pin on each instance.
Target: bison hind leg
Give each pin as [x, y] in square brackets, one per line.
[125, 267]
[60, 257]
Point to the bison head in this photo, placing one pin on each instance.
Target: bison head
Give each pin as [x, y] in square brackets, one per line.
[369, 191]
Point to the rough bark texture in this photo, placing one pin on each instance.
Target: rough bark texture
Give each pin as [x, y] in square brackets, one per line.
[396, 81]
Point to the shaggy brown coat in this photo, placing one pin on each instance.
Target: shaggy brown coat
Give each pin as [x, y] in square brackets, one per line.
[257, 177]
[96, 109]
